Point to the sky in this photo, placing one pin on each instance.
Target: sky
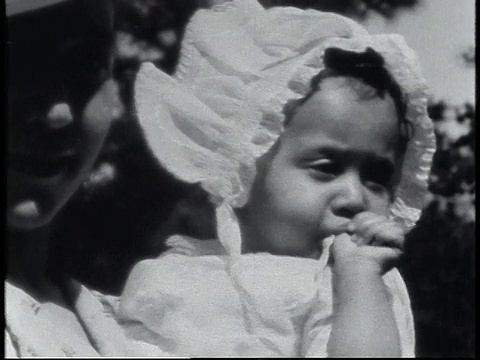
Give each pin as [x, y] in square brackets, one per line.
[439, 30]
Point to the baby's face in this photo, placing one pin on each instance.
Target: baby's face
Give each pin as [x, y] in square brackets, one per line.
[60, 105]
[334, 160]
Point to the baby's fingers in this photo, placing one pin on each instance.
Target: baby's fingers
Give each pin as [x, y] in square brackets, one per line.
[388, 256]
[366, 227]
[364, 220]
[388, 235]
[373, 229]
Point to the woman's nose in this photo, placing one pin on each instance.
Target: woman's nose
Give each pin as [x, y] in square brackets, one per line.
[351, 198]
[59, 116]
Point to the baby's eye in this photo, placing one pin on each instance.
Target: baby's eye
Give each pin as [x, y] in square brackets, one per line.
[378, 180]
[376, 187]
[324, 167]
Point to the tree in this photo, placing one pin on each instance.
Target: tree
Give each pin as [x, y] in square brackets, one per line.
[440, 265]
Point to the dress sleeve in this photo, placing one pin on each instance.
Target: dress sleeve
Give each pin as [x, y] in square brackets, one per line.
[319, 324]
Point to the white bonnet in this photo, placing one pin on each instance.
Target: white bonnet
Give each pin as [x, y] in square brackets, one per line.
[238, 67]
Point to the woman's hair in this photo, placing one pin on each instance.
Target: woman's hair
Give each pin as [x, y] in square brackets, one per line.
[368, 67]
[72, 40]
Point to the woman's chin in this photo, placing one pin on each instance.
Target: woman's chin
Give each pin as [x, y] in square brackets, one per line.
[28, 214]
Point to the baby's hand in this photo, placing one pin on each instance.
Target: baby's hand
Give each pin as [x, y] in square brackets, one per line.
[373, 239]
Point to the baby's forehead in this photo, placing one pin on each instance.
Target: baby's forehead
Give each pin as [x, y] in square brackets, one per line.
[362, 90]
[335, 87]
[334, 114]
[341, 100]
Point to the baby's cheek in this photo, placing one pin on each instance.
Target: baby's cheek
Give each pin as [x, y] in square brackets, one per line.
[291, 196]
[379, 204]
[301, 207]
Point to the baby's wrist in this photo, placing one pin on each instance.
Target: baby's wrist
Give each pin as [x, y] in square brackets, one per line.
[356, 266]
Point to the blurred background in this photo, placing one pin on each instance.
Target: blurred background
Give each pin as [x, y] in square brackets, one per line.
[129, 205]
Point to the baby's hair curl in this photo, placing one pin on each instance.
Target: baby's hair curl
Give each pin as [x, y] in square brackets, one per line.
[368, 67]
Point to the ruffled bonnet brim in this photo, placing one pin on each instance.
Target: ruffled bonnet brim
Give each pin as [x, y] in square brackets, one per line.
[223, 107]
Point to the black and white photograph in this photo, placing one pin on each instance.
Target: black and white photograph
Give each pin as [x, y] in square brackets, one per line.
[240, 178]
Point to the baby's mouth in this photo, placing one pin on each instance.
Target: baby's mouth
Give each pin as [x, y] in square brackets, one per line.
[339, 229]
[43, 167]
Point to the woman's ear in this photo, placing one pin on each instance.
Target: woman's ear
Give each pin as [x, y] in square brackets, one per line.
[113, 99]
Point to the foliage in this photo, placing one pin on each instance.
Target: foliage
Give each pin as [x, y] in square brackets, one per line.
[439, 266]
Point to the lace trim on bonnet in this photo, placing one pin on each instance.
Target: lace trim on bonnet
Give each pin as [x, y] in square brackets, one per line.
[223, 109]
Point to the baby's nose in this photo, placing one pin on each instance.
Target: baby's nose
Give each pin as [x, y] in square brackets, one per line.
[59, 116]
[351, 198]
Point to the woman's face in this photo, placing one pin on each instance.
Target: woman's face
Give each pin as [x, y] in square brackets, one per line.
[335, 160]
[61, 101]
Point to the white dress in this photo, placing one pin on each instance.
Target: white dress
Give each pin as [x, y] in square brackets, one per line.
[195, 300]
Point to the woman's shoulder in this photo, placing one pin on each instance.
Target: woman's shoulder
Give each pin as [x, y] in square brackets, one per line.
[86, 327]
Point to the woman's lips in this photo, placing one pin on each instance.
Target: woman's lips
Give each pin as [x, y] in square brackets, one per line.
[41, 166]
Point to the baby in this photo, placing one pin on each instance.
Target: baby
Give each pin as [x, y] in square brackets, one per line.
[307, 140]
